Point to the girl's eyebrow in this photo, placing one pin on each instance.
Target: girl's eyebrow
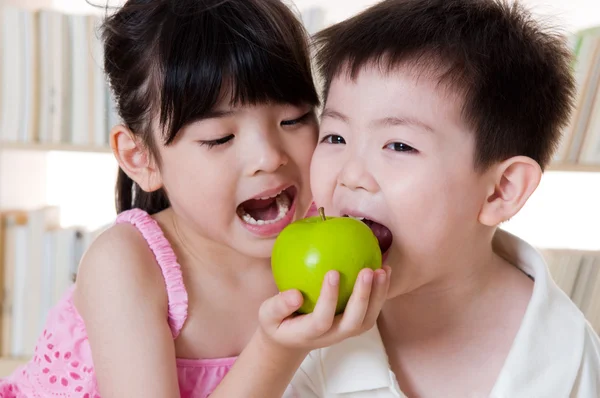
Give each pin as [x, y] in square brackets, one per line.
[218, 114]
[214, 114]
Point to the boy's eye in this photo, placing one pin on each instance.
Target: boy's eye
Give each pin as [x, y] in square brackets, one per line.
[299, 120]
[217, 142]
[333, 139]
[399, 147]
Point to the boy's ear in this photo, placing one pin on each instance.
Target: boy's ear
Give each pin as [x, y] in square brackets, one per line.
[510, 185]
[135, 159]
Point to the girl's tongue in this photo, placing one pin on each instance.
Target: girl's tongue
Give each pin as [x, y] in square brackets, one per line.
[265, 211]
[262, 209]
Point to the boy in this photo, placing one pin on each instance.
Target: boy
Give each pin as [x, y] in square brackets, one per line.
[440, 118]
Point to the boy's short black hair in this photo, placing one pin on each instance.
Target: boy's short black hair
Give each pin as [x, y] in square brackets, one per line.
[514, 75]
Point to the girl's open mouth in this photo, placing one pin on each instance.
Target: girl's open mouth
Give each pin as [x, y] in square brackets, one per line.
[267, 216]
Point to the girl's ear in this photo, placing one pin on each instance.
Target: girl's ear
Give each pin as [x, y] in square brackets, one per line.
[510, 185]
[135, 159]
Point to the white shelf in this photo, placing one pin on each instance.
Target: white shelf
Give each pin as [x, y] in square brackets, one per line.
[588, 168]
[52, 147]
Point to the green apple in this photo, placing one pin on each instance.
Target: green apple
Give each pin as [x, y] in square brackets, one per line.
[307, 249]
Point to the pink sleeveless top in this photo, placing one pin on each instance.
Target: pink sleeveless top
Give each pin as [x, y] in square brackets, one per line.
[62, 365]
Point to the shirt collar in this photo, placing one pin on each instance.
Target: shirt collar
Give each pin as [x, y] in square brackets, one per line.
[358, 364]
[549, 343]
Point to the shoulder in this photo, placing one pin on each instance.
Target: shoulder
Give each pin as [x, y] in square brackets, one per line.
[119, 265]
[552, 346]
[592, 344]
[120, 295]
[587, 383]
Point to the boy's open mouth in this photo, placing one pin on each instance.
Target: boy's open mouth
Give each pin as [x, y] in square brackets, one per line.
[382, 233]
[267, 210]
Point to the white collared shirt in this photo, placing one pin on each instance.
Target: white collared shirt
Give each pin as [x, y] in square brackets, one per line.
[555, 354]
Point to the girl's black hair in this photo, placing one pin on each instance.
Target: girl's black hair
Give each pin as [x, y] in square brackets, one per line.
[169, 62]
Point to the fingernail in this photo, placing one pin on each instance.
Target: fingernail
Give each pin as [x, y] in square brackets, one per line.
[381, 276]
[367, 277]
[334, 278]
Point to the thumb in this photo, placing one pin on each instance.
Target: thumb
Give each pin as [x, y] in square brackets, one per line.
[276, 309]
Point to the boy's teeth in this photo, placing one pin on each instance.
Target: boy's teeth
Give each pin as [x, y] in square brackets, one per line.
[283, 205]
[357, 218]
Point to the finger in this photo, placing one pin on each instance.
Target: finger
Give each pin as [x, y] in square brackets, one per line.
[381, 284]
[322, 317]
[357, 306]
[277, 308]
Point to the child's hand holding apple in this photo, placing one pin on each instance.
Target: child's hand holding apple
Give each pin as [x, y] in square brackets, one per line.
[309, 248]
[329, 271]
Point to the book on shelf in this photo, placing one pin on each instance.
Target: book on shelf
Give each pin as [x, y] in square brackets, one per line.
[577, 273]
[54, 90]
[38, 263]
[581, 138]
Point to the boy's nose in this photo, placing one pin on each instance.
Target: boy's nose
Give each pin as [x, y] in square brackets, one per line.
[355, 176]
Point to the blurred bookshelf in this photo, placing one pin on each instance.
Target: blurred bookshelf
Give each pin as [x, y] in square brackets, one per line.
[56, 109]
[55, 114]
[8, 365]
[586, 168]
[48, 147]
[580, 146]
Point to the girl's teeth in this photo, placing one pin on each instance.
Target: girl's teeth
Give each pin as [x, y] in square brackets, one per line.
[283, 205]
[270, 197]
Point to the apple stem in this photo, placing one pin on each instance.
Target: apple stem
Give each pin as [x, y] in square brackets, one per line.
[322, 213]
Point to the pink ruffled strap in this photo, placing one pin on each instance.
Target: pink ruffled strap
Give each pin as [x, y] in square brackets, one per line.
[166, 259]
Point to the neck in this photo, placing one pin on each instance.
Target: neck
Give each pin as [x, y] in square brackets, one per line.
[445, 304]
[217, 261]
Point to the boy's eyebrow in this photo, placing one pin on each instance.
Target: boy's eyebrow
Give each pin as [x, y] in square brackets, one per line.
[386, 121]
[327, 112]
[402, 121]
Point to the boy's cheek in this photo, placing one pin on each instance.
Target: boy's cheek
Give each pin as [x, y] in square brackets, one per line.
[313, 211]
[322, 181]
[322, 196]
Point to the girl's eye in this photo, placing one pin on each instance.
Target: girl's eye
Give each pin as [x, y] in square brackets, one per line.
[220, 141]
[333, 139]
[295, 122]
[400, 147]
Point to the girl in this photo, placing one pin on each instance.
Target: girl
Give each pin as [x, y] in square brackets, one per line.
[217, 100]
